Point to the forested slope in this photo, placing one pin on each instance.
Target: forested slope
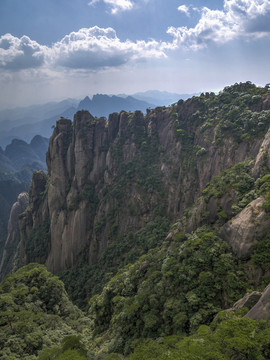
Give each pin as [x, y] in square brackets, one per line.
[161, 222]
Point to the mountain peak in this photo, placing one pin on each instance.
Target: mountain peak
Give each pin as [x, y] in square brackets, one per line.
[103, 105]
[84, 104]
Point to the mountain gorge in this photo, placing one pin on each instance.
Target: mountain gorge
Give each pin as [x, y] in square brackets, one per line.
[162, 221]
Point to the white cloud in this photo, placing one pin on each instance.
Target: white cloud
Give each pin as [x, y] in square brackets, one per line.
[96, 48]
[184, 9]
[249, 19]
[115, 5]
[18, 54]
[89, 48]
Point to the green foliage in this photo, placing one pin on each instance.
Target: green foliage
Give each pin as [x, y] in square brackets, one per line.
[112, 356]
[177, 286]
[38, 242]
[236, 178]
[84, 281]
[235, 187]
[200, 151]
[88, 194]
[71, 349]
[34, 312]
[170, 290]
[266, 204]
[234, 111]
[142, 170]
[261, 254]
[235, 338]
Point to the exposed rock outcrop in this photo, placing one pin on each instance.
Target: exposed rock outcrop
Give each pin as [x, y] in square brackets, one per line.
[263, 157]
[13, 237]
[109, 178]
[261, 310]
[246, 228]
[248, 301]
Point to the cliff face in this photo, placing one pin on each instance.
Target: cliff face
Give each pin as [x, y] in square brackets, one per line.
[13, 237]
[107, 178]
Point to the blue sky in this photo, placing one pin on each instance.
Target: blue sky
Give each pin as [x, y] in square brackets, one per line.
[54, 49]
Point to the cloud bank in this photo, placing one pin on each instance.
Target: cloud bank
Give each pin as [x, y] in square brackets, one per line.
[97, 48]
[89, 48]
[248, 19]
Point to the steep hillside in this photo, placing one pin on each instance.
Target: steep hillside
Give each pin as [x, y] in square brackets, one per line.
[10, 187]
[179, 200]
[12, 239]
[17, 163]
[111, 183]
[35, 313]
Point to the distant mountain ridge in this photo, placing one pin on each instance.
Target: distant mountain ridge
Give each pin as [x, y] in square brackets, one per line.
[161, 98]
[11, 118]
[19, 153]
[103, 105]
[26, 122]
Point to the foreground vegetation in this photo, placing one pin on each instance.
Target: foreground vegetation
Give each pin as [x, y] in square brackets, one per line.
[39, 322]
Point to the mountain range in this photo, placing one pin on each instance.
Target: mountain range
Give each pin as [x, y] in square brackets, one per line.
[156, 226]
[25, 123]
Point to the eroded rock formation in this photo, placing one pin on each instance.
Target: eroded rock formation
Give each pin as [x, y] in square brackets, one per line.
[107, 178]
[13, 237]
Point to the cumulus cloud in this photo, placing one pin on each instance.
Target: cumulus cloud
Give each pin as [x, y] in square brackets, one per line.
[20, 53]
[115, 5]
[247, 19]
[95, 48]
[89, 48]
[184, 9]
[98, 48]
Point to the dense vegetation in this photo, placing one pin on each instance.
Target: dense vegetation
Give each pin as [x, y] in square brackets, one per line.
[84, 281]
[35, 313]
[233, 337]
[167, 292]
[170, 290]
[235, 111]
[153, 296]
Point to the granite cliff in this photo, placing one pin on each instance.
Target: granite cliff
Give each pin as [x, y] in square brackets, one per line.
[109, 178]
[13, 237]
[162, 221]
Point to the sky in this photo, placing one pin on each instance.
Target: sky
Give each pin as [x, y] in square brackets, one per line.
[56, 49]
